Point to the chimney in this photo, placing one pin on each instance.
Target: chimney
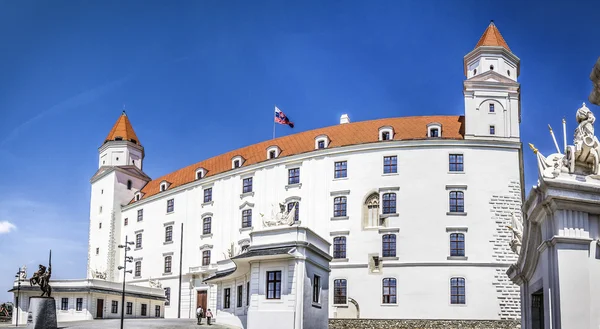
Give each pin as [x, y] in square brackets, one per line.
[344, 119]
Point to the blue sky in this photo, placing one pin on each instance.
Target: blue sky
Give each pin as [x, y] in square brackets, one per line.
[196, 71]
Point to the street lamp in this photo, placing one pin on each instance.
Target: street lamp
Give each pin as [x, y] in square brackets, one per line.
[18, 276]
[125, 271]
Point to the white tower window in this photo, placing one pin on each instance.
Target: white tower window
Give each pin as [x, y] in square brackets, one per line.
[492, 130]
[273, 152]
[321, 142]
[386, 133]
[200, 173]
[434, 130]
[164, 185]
[492, 110]
[237, 161]
[492, 67]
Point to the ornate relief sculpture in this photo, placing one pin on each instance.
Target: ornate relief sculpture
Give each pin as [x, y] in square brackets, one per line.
[23, 273]
[99, 275]
[587, 147]
[282, 217]
[516, 227]
[153, 283]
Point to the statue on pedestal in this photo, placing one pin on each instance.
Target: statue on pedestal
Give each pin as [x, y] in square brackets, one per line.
[516, 227]
[42, 278]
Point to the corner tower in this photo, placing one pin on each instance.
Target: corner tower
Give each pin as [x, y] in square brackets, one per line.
[492, 93]
[118, 178]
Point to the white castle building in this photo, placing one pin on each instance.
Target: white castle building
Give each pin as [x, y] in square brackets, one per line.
[415, 210]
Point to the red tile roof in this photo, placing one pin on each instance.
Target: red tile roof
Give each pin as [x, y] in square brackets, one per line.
[123, 130]
[407, 128]
[492, 37]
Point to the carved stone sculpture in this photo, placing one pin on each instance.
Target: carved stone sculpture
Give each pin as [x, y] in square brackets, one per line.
[282, 217]
[516, 227]
[99, 275]
[42, 278]
[587, 147]
[153, 283]
[595, 77]
[23, 273]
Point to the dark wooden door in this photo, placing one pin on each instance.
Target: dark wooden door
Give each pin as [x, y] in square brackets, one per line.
[100, 308]
[201, 300]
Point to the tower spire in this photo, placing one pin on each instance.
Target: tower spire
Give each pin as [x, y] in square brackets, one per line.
[492, 37]
[122, 130]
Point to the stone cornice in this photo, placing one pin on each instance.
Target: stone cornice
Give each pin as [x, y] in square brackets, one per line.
[346, 150]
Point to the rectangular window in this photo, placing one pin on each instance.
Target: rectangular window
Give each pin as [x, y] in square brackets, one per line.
[126, 222]
[492, 130]
[321, 144]
[339, 206]
[206, 258]
[316, 298]
[248, 293]
[79, 304]
[144, 309]
[168, 261]
[385, 136]
[492, 108]
[138, 240]
[157, 311]
[339, 247]
[99, 225]
[168, 296]
[170, 205]
[64, 304]
[273, 284]
[208, 195]
[389, 291]
[168, 233]
[140, 215]
[227, 298]
[456, 162]
[247, 185]
[206, 225]
[457, 244]
[389, 203]
[293, 176]
[457, 201]
[114, 308]
[236, 164]
[97, 251]
[296, 211]
[247, 218]
[390, 165]
[240, 295]
[339, 291]
[457, 291]
[272, 154]
[341, 169]
[389, 245]
[138, 268]
[129, 308]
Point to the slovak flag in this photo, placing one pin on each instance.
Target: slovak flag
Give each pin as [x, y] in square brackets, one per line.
[281, 118]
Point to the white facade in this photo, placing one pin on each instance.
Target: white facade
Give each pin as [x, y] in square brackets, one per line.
[420, 261]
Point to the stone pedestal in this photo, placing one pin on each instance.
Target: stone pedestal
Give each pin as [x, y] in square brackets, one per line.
[42, 313]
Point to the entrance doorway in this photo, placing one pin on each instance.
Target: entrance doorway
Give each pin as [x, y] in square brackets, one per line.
[201, 299]
[99, 308]
[537, 310]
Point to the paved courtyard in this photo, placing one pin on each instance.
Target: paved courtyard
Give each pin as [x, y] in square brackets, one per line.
[133, 324]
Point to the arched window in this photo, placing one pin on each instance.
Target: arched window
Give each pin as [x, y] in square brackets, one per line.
[492, 67]
[339, 247]
[389, 203]
[388, 245]
[457, 291]
[371, 211]
[129, 184]
[339, 206]
[389, 291]
[457, 244]
[339, 291]
[457, 201]
[168, 261]
[296, 212]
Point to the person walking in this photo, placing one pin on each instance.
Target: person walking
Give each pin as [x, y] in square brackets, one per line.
[209, 315]
[199, 314]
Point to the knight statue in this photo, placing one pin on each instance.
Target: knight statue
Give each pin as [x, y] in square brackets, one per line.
[587, 147]
[42, 278]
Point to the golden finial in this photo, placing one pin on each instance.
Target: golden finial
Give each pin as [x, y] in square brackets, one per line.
[533, 148]
[549, 127]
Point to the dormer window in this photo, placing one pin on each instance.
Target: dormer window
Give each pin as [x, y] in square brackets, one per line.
[237, 161]
[386, 133]
[273, 152]
[321, 142]
[434, 130]
[164, 185]
[138, 196]
[200, 173]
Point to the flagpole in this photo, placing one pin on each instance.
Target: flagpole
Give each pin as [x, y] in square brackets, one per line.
[274, 122]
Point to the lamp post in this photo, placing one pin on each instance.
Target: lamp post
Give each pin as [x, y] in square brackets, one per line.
[125, 271]
[18, 276]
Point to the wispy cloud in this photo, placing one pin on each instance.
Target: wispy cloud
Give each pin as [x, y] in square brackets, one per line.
[76, 101]
[6, 227]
